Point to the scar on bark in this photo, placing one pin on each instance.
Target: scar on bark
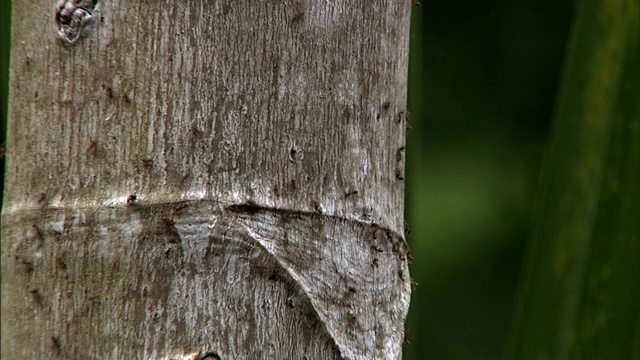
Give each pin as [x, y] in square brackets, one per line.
[75, 19]
[299, 9]
[316, 207]
[42, 199]
[351, 193]
[180, 207]
[250, 207]
[211, 355]
[28, 266]
[169, 226]
[91, 149]
[39, 233]
[55, 344]
[399, 163]
[37, 297]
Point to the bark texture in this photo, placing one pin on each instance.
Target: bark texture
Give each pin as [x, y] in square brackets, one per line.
[206, 179]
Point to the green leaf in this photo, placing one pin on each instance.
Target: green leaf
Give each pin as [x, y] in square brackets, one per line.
[580, 298]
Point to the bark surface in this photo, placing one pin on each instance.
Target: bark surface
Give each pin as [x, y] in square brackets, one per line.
[202, 179]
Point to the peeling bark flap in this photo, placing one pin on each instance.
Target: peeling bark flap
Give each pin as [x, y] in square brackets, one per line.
[354, 274]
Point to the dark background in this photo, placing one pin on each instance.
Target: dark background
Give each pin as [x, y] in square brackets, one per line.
[483, 80]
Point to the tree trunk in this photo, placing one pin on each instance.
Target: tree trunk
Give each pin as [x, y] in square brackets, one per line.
[206, 179]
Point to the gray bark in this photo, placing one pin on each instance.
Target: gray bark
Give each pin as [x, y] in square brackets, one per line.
[206, 179]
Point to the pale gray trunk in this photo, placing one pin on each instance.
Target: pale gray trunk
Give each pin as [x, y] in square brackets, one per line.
[206, 179]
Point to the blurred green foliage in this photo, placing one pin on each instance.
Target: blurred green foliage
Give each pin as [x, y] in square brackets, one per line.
[580, 297]
[483, 81]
